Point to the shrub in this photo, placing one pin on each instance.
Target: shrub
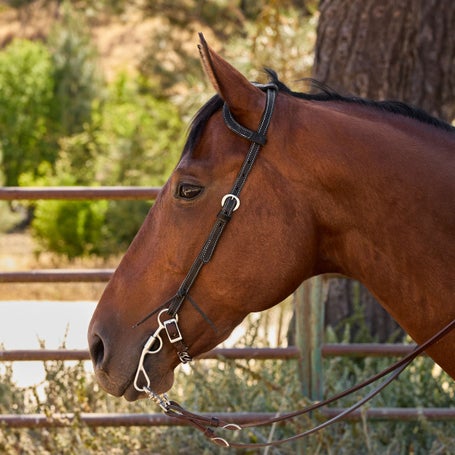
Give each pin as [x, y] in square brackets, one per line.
[132, 139]
[70, 228]
[76, 75]
[26, 87]
[142, 135]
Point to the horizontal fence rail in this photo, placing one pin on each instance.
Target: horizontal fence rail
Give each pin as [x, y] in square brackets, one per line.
[14, 193]
[57, 276]
[291, 352]
[121, 420]
[103, 275]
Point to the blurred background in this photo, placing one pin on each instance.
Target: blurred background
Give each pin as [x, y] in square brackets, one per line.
[98, 93]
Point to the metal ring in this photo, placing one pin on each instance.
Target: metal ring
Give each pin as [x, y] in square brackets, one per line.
[220, 442]
[232, 426]
[233, 196]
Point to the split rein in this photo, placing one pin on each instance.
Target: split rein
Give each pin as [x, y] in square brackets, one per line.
[230, 202]
[206, 424]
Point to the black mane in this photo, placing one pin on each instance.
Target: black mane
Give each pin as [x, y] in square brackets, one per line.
[324, 94]
[396, 107]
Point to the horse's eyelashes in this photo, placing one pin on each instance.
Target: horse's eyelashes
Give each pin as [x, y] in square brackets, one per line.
[189, 191]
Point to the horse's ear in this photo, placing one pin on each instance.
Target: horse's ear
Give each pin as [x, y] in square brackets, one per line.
[240, 95]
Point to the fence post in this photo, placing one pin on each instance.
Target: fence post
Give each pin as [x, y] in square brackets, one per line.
[309, 316]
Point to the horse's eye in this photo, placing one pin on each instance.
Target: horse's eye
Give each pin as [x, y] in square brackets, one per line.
[189, 191]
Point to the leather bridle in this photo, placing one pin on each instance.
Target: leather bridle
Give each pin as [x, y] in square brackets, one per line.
[229, 204]
[168, 313]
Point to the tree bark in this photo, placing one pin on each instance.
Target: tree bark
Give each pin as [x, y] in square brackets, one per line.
[388, 49]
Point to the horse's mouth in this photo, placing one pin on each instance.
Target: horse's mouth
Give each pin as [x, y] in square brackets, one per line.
[129, 392]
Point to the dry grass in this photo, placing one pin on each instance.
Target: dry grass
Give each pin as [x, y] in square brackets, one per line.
[18, 252]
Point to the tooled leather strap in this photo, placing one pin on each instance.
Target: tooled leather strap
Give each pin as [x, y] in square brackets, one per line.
[231, 201]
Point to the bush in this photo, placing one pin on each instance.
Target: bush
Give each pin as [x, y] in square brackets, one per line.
[121, 223]
[26, 88]
[76, 75]
[70, 228]
[132, 139]
[142, 135]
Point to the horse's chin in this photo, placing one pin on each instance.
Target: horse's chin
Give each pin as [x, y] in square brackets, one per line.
[162, 386]
[158, 383]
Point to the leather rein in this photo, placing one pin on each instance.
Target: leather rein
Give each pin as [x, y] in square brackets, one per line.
[168, 314]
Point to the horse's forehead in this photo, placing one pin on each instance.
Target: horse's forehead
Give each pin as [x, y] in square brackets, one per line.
[215, 144]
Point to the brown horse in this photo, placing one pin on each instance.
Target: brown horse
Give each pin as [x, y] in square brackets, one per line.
[342, 185]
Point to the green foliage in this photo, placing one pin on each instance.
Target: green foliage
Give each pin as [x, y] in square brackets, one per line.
[71, 228]
[421, 385]
[142, 136]
[45, 93]
[121, 223]
[132, 139]
[26, 88]
[76, 76]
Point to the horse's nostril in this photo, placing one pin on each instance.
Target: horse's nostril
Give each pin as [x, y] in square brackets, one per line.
[97, 351]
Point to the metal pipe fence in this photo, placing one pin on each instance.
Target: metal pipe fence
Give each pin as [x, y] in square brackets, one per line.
[103, 275]
[14, 193]
[145, 419]
[285, 353]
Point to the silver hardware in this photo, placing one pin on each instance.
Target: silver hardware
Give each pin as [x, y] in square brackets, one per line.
[220, 441]
[147, 350]
[233, 196]
[184, 357]
[161, 400]
[232, 426]
[178, 336]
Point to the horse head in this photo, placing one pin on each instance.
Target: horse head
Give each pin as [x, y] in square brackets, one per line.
[257, 261]
[328, 173]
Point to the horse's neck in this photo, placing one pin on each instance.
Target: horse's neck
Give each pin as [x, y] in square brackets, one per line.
[382, 203]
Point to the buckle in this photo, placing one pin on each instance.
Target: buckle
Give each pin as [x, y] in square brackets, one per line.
[231, 196]
[172, 330]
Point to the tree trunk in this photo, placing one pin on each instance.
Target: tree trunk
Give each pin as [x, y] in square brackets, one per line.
[388, 49]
